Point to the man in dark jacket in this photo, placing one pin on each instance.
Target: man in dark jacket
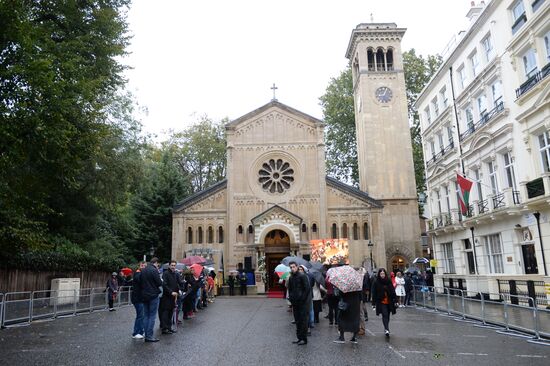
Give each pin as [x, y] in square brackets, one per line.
[170, 292]
[299, 295]
[408, 288]
[231, 283]
[150, 284]
[243, 279]
[137, 301]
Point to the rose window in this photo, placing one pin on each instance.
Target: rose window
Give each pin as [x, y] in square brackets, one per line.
[276, 176]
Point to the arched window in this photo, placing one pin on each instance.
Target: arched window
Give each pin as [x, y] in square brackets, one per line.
[240, 229]
[366, 231]
[304, 228]
[220, 234]
[389, 59]
[355, 231]
[370, 60]
[380, 64]
[250, 234]
[345, 231]
[356, 68]
[314, 228]
[199, 235]
[189, 235]
[334, 231]
[210, 235]
[240, 233]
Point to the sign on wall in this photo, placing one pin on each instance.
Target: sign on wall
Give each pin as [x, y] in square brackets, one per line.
[330, 251]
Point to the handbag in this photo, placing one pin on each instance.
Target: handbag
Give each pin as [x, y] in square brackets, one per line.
[342, 305]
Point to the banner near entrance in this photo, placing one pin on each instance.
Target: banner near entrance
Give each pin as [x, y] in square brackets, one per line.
[330, 251]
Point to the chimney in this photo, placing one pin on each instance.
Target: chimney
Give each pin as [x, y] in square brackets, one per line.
[475, 10]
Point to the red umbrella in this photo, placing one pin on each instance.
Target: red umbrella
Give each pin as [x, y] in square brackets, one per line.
[192, 260]
[197, 269]
[126, 271]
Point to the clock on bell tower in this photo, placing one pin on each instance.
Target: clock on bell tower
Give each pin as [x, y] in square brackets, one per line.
[384, 149]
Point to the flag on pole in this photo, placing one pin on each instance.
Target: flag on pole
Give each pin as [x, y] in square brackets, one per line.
[465, 187]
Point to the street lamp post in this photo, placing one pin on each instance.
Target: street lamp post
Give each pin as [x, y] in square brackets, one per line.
[370, 245]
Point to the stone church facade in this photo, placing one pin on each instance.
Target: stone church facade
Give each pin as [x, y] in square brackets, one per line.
[277, 196]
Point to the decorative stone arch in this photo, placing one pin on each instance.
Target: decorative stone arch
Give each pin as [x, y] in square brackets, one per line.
[479, 140]
[399, 250]
[287, 228]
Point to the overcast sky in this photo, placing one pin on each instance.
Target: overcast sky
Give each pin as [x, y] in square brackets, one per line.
[220, 57]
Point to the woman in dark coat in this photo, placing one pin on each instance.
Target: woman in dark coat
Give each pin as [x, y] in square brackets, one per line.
[349, 319]
[383, 297]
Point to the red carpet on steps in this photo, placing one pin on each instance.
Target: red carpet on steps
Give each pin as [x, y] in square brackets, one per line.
[275, 294]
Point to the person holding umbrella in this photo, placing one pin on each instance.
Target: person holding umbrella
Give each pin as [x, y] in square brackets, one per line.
[384, 298]
[299, 295]
[349, 284]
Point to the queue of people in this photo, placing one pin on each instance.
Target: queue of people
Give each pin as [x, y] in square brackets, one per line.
[165, 294]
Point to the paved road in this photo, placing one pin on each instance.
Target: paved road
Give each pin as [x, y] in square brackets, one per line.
[257, 331]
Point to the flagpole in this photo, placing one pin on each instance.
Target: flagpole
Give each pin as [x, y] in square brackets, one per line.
[456, 122]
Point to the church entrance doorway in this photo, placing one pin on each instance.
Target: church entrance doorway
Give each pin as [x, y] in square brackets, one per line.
[277, 246]
[398, 263]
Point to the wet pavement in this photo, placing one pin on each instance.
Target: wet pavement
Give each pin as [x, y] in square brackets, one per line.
[257, 331]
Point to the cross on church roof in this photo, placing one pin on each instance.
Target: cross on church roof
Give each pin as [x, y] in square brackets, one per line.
[274, 88]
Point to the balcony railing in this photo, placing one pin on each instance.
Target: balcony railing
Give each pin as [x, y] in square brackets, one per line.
[498, 201]
[535, 188]
[483, 206]
[533, 80]
[441, 153]
[520, 21]
[485, 118]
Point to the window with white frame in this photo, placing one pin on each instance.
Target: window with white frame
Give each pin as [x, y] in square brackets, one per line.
[432, 147]
[544, 143]
[487, 43]
[450, 134]
[529, 63]
[447, 198]
[443, 97]
[496, 91]
[518, 10]
[493, 250]
[438, 197]
[474, 61]
[477, 177]
[482, 105]
[448, 258]
[428, 115]
[462, 76]
[469, 117]
[435, 107]
[440, 139]
[493, 178]
[509, 171]
[547, 46]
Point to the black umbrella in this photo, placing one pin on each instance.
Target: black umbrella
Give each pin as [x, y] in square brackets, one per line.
[317, 276]
[299, 261]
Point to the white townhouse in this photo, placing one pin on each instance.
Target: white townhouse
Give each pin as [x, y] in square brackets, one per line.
[486, 114]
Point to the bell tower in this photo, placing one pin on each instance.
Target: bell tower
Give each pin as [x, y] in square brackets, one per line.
[384, 148]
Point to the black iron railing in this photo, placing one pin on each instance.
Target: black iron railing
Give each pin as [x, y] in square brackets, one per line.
[533, 80]
[535, 188]
[515, 197]
[440, 154]
[485, 118]
[498, 201]
[483, 206]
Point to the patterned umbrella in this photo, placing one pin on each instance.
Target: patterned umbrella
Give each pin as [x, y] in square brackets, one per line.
[192, 260]
[421, 260]
[345, 278]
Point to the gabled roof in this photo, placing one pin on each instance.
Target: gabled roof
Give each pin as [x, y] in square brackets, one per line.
[271, 104]
[357, 193]
[277, 207]
[196, 197]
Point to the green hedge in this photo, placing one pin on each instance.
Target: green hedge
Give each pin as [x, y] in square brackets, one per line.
[60, 261]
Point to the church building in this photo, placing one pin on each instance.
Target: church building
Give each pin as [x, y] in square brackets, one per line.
[277, 197]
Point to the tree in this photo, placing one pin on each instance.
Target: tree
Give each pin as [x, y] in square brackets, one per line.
[66, 153]
[339, 115]
[340, 134]
[200, 152]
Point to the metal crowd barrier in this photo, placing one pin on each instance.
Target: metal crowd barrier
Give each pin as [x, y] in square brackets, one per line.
[495, 312]
[22, 308]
